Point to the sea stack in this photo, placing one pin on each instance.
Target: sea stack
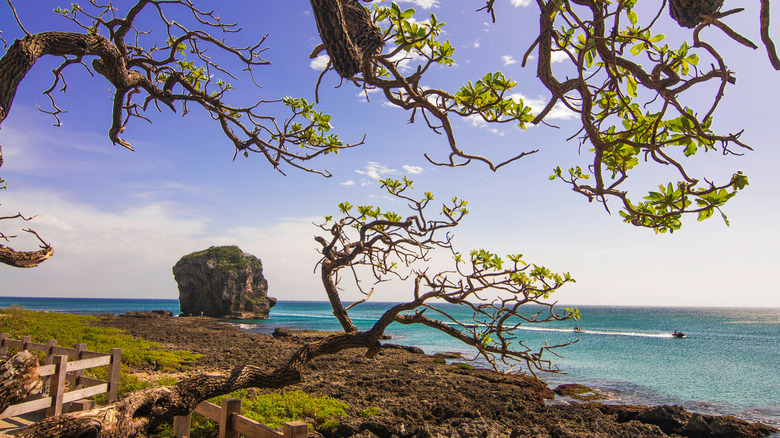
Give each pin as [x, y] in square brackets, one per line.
[222, 282]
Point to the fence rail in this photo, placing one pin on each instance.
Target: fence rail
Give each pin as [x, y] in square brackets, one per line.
[57, 370]
[232, 423]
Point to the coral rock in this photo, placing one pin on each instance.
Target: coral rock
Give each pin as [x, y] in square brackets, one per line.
[222, 282]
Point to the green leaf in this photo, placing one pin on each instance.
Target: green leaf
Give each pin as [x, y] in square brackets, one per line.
[631, 86]
[657, 38]
[632, 17]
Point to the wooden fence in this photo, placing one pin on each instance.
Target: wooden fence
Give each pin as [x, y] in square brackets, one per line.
[57, 370]
[232, 423]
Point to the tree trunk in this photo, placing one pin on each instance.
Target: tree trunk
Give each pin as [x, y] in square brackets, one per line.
[24, 259]
[18, 377]
[348, 33]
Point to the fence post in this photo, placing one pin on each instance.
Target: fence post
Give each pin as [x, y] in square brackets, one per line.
[230, 406]
[295, 429]
[49, 351]
[74, 376]
[113, 374]
[57, 388]
[181, 426]
[3, 347]
[25, 342]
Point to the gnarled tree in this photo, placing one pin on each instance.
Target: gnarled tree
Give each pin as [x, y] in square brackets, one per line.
[638, 96]
[166, 67]
[628, 90]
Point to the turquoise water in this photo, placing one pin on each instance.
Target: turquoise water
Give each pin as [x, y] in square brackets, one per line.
[728, 363]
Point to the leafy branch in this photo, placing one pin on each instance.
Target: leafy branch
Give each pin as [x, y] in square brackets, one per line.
[369, 243]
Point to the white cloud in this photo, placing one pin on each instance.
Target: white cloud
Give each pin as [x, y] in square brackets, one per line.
[365, 94]
[520, 3]
[476, 44]
[347, 183]
[537, 104]
[407, 59]
[508, 60]
[558, 57]
[478, 122]
[127, 253]
[288, 252]
[319, 62]
[130, 253]
[376, 171]
[414, 170]
[425, 4]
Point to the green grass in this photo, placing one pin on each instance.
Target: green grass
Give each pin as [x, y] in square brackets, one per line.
[463, 366]
[69, 330]
[274, 409]
[368, 412]
[225, 258]
[577, 392]
[277, 408]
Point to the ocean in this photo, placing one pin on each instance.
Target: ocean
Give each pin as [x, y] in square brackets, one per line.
[728, 363]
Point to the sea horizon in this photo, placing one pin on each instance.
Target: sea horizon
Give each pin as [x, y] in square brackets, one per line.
[557, 305]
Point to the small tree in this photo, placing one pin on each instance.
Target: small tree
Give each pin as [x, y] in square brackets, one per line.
[492, 288]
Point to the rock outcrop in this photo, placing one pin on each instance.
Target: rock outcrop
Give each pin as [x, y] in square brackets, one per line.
[222, 282]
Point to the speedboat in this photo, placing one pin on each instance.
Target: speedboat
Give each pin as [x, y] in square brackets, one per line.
[677, 334]
[577, 329]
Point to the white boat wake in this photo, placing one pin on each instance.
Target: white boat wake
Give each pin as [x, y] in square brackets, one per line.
[600, 332]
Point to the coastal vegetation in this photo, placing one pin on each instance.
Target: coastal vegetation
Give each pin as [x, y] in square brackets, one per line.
[226, 258]
[147, 364]
[631, 89]
[276, 408]
[69, 330]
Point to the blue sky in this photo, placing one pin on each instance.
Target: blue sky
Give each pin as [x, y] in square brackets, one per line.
[119, 220]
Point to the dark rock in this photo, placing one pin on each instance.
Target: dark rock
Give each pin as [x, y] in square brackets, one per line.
[697, 426]
[222, 282]
[309, 335]
[448, 355]
[728, 426]
[671, 419]
[410, 349]
[674, 420]
[577, 392]
[152, 314]
[302, 335]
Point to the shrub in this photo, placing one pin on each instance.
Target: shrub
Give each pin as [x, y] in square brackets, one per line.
[276, 408]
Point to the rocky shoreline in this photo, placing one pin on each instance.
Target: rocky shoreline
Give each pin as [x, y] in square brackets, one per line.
[415, 395]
